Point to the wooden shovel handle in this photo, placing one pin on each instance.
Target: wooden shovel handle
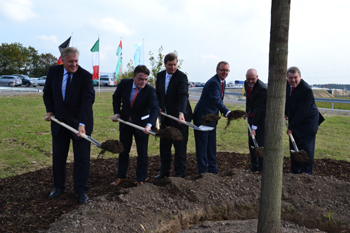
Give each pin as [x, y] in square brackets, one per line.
[135, 126]
[250, 130]
[291, 138]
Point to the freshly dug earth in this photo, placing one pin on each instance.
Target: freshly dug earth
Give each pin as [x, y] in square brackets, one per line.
[170, 133]
[211, 117]
[174, 204]
[113, 146]
[235, 115]
[259, 151]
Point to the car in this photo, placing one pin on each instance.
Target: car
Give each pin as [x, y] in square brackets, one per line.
[10, 80]
[107, 81]
[26, 80]
[41, 81]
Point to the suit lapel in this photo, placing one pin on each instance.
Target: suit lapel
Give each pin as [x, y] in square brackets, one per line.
[59, 81]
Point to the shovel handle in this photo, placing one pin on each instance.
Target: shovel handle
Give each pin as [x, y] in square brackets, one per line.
[291, 138]
[250, 130]
[135, 126]
[76, 131]
[174, 118]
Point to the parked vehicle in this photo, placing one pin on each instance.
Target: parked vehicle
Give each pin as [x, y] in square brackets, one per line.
[107, 81]
[26, 80]
[96, 82]
[10, 80]
[41, 81]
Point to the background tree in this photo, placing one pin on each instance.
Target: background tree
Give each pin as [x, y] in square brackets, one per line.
[271, 187]
[17, 59]
[128, 73]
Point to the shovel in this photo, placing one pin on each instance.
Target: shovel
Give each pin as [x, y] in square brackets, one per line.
[258, 151]
[90, 139]
[168, 132]
[192, 126]
[299, 155]
[113, 146]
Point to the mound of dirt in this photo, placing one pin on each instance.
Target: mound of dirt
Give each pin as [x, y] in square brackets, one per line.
[211, 117]
[174, 204]
[113, 146]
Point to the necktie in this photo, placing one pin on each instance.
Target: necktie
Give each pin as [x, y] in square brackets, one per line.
[67, 84]
[222, 88]
[249, 92]
[134, 97]
[167, 80]
[293, 88]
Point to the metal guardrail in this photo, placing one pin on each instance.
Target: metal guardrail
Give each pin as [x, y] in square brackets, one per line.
[327, 100]
[20, 89]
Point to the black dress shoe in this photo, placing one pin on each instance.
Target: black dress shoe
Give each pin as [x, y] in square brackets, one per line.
[253, 169]
[180, 175]
[56, 192]
[83, 198]
[161, 176]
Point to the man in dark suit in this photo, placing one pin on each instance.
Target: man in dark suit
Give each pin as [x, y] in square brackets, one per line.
[256, 109]
[172, 95]
[69, 95]
[211, 101]
[303, 117]
[140, 107]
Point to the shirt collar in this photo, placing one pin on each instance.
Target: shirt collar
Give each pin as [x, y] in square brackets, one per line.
[168, 75]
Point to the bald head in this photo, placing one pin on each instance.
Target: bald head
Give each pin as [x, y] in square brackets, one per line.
[251, 76]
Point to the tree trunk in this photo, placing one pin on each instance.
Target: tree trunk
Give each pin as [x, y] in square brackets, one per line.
[271, 188]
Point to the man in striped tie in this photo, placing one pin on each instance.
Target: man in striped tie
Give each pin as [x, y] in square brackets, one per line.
[256, 109]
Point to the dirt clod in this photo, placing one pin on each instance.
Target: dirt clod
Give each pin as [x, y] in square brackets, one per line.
[301, 156]
[170, 133]
[113, 146]
[259, 151]
[235, 115]
[211, 117]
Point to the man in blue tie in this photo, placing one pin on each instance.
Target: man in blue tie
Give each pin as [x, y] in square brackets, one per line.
[69, 95]
[140, 107]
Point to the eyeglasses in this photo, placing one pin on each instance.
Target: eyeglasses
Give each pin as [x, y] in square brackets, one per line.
[223, 70]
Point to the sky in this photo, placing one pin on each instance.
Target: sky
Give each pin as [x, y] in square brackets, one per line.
[202, 32]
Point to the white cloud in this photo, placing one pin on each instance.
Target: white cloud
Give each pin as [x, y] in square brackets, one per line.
[50, 39]
[18, 10]
[111, 25]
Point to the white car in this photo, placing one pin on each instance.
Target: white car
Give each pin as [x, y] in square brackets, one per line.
[41, 81]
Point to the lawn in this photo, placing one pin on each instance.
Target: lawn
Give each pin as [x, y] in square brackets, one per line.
[25, 138]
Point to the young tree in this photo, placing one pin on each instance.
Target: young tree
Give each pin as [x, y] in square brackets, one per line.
[271, 187]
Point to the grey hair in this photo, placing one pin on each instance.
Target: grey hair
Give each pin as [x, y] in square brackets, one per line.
[69, 50]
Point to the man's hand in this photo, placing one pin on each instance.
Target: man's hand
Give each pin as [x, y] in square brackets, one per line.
[253, 132]
[115, 117]
[48, 116]
[289, 132]
[81, 130]
[181, 117]
[147, 128]
[286, 117]
[160, 112]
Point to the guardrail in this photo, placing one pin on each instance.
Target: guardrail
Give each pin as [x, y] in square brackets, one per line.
[21, 89]
[327, 100]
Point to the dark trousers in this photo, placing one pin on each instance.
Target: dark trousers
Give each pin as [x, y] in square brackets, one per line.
[206, 151]
[308, 145]
[255, 161]
[81, 150]
[180, 152]
[142, 157]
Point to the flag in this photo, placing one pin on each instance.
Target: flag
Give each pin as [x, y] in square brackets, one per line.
[138, 56]
[119, 69]
[95, 59]
[63, 46]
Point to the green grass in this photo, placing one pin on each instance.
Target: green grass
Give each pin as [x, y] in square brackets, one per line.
[25, 138]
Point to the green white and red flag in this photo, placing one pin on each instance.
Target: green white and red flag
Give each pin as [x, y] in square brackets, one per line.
[95, 59]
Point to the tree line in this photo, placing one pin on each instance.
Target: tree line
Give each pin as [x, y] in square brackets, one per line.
[17, 59]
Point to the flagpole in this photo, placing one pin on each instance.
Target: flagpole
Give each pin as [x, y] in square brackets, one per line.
[143, 54]
[99, 67]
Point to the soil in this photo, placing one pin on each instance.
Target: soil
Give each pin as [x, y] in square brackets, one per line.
[113, 146]
[211, 117]
[235, 115]
[309, 202]
[301, 156]
[170, 133]
[259, 151]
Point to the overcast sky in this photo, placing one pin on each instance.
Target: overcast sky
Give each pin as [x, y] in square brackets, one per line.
[203, 33]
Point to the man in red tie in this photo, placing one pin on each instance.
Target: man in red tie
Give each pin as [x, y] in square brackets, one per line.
[303, 117]
[211, 101]
[256, 110]
[140, 107]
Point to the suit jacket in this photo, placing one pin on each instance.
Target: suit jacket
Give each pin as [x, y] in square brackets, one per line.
[211, 101]
[77, 107]
[303, 115]
[144, 104]
[176, 98]
[257, 103]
